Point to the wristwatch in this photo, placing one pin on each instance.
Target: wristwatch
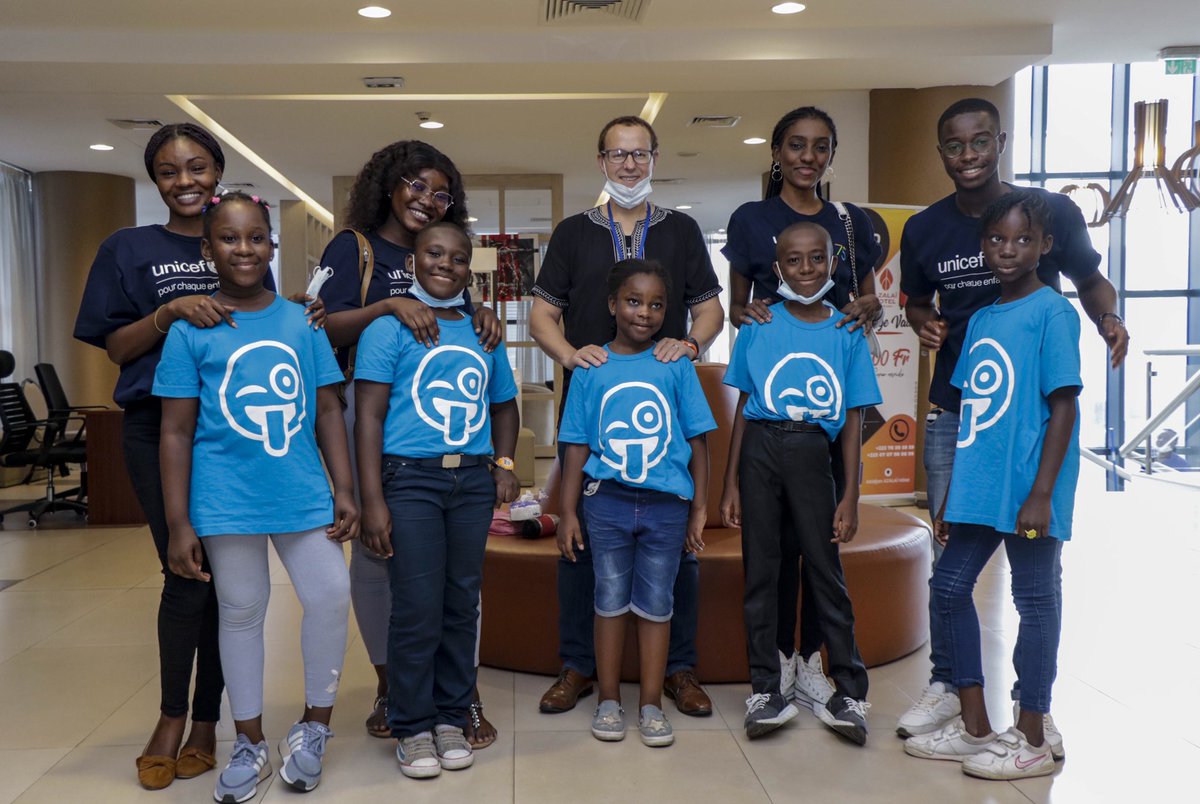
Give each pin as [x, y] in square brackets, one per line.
[504, 463]
[1100, 319]
[695, 344]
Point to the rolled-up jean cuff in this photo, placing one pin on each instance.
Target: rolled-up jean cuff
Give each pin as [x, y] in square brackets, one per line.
[959, 683]
[654, 618]
[628, 607]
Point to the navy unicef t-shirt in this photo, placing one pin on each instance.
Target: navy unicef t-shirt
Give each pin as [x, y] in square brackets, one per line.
[136, 271]
[390, 277]
[750, 245]
[1016, 355]
[636, 416]
[255, 464]
[441, 396]
[793, 370]
[940, 253]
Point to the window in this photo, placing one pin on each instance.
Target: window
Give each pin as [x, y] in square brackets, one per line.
[1151, 256]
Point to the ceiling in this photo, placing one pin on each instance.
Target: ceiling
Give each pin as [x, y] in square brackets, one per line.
[517, 94]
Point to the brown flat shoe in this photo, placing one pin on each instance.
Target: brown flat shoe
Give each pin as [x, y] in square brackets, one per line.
[377, 725]
[192, 762]
[566, 690]
[690, 698]
[155, 772]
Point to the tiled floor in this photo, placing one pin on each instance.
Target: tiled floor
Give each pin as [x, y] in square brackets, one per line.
[79, 689]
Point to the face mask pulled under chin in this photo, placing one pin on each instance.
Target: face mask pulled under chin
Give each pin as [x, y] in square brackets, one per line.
[625, 196]
[786, 292]
[422, 295]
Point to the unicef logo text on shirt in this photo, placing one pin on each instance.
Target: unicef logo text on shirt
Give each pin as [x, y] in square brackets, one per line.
[447, 391]
[803, 386]
[988, 391]
[635, 429]
[262, 395]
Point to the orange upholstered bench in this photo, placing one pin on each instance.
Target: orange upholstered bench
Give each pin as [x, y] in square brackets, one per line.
[887, 569]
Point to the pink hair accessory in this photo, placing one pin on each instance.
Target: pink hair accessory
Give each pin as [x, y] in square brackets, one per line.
[216, 199]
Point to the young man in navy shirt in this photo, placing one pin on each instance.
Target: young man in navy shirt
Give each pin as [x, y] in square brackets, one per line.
[940, 254]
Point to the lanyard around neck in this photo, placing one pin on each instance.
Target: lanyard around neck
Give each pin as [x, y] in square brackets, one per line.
[619, 251]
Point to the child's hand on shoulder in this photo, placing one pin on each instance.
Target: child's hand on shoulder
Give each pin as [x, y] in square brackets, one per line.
[184, 555]
[731, 506]
[507, 485]
[845, 521]
[697, 517]
[376, 529]
[569, 536]
[345, 519]
[1034, 517]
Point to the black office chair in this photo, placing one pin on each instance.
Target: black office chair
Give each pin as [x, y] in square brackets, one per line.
[36, 443]
[58, 408]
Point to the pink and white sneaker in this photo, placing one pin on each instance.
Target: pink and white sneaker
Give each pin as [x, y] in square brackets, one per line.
[1010, 756]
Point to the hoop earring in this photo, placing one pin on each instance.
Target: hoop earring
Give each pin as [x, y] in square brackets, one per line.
[212, 266]
[828, 174]
[776, 172]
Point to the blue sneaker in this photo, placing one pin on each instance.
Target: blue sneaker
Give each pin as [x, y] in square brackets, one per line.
[248, 765]
[302, 751]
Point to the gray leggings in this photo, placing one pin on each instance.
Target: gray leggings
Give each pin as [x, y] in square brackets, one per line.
[370, 588]
[317, 568]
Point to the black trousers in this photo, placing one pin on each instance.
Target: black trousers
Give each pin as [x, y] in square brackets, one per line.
[787, 495]
[187, 611]
[792, 572]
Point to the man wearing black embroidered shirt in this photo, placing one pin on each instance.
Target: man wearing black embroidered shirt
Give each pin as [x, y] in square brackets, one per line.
[572, 289]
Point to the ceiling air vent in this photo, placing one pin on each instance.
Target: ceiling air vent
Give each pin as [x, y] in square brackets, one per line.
[716, 120]
[669, 180]
[137, 123]
[239, 185]
[631, 10]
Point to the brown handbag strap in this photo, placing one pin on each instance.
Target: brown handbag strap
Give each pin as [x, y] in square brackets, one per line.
[366, 268]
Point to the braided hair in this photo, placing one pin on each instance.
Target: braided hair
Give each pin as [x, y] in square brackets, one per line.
[775, 186]
[190, 131]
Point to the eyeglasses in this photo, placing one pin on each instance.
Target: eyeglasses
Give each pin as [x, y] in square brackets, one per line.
[980, 145]
[617, 156]
[441, 199]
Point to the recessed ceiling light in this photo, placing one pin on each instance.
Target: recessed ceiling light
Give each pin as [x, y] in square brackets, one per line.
[472, 220]
[720, 231]
[683, 206]
[376, 12]
[431, 124]
[754, 141]
[782, 8]
[100, 147]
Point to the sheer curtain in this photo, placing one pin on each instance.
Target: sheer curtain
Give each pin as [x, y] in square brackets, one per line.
[18, 305]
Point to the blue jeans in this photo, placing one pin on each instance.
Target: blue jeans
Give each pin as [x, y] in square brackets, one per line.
[440, 520]
[577, 609]
[1036, 592]
[637, 536]
[941, 436]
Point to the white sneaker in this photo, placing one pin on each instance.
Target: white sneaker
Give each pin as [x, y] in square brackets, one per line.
[952, 742]
[1049, 730]
[787, 675]
[1010, 756]
[812, 688]
[936, 707]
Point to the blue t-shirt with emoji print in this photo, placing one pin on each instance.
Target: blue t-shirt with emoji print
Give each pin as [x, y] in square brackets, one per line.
[441, 396]
[636, 415]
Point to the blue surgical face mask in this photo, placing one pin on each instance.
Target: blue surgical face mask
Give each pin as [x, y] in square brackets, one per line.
[422, 295]
[786, 291]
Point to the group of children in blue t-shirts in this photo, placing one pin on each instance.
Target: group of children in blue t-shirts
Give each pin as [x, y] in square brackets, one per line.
[251, 410]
